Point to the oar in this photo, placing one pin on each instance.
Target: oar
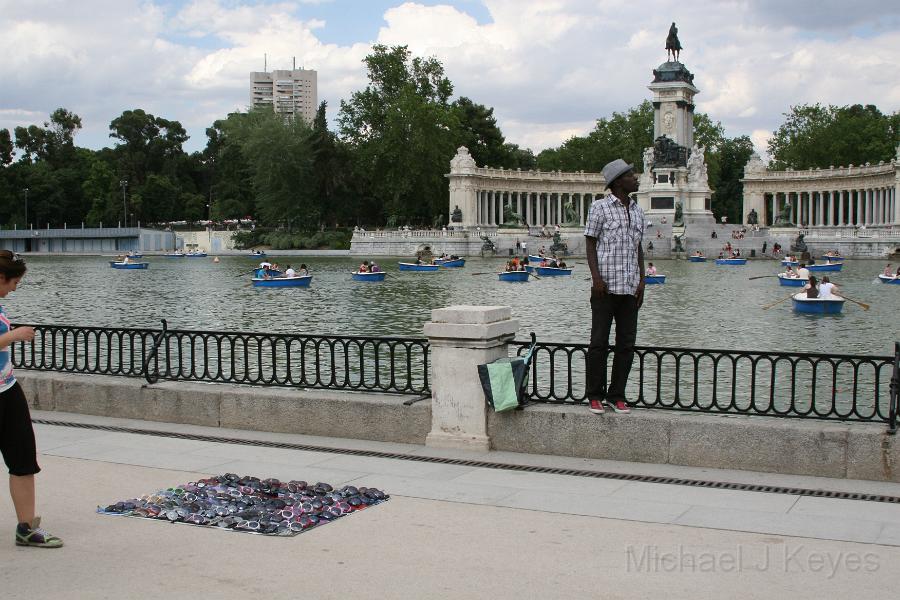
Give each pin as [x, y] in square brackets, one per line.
[245, 273]
[485, 273]
[863, 305]
[768, 306]
[761, 276]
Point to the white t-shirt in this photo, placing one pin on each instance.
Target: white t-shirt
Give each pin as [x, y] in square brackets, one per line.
[825, 289]
[803, 273]
[290, 273]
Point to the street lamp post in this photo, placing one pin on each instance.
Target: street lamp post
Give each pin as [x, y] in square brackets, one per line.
[124, 184]
[26, 207]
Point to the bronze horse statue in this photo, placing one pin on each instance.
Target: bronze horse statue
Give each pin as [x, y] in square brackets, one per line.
[673, 45]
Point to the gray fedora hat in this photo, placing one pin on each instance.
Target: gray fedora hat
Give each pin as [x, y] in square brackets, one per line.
[614, 169]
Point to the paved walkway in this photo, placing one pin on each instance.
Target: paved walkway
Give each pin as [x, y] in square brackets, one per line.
[449, 531]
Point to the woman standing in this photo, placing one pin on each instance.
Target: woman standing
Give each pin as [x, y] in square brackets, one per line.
[16, 433]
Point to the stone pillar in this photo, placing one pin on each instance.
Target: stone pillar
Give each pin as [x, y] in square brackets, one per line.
[840, 210]
[820, 215]
[460, 339]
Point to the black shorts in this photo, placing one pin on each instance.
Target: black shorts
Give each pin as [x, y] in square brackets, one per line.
[16, 433]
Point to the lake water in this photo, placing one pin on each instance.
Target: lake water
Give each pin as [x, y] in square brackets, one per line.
[701, 305]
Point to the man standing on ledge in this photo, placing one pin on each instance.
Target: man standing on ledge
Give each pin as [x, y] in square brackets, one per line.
[613, 234]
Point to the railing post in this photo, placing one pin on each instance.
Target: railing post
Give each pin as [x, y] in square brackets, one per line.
[461, 338]
[154, 351]
[895, 392]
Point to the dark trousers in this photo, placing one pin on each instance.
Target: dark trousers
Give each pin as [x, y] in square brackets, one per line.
[624, 309]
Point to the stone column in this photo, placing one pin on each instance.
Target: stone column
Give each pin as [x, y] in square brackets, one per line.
[840, 208]
[460, 339]
[820, 215]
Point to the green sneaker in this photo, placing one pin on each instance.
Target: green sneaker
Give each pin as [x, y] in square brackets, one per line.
[35, 536]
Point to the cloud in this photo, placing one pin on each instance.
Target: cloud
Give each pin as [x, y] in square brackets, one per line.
[549, 68]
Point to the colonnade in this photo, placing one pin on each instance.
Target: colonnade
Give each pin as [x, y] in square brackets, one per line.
[534, 208]
[835, 208]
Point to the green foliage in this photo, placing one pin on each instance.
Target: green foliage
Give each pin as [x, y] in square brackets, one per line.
[823, 136]
[283, 240]
[401, 131]
[730, 158]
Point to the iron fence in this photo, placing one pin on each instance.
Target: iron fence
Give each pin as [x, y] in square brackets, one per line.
[384, 364]
[779, 384]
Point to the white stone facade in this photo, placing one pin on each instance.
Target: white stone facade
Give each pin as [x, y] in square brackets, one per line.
[538, 197]
[836, 197]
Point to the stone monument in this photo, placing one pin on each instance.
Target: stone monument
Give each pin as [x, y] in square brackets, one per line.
[675, 172]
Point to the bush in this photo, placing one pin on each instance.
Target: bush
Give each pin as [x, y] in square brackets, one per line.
[338, 239]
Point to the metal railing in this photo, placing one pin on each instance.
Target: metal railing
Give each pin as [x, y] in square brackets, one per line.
[779, 384]
[383, 364]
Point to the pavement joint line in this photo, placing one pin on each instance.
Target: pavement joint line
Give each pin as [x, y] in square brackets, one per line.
[698, 483]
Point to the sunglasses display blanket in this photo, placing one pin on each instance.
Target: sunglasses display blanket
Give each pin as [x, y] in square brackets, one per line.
[249, 504]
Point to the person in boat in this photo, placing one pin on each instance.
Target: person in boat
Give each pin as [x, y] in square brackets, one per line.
[513, 264]
[802, 271]
[826, 288]
[721, 255]
[304, 271]
[525, 260]
[289, 272]
[812, 287]
[888, 271]
[651, 270]
[374, 268]
[790, 273]
[125, 260]
[364, 267]
[542, 251]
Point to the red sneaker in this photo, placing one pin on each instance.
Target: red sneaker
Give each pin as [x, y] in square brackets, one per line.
[595, 405]
[619, 407]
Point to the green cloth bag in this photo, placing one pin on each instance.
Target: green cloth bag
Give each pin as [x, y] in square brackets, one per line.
[504, 380]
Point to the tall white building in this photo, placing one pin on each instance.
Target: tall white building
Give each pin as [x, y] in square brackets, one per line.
[288, 92]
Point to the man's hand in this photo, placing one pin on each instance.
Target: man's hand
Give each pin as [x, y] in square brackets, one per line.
[639, 294]
[23, 334]
[598, 288]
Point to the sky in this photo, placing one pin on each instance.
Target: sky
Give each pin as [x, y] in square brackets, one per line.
[549, 68]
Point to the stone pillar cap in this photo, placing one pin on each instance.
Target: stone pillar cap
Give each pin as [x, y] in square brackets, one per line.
[471, 315]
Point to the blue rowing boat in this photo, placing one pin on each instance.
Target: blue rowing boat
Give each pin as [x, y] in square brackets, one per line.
[789, 263]
[514, 276]
[377, 276]
[552, 271]
[298, 281]
[654, 279]
[889, 280]
[534, 258]
[450, 263]
[128, 265]
[174, 255]
[817, 306]
[414, 267]
[195, 255]
[825, 267]
[731, 261]
[697, 258]
[791, 281]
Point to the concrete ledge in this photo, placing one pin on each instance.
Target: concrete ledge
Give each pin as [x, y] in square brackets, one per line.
[361, 415]
[788, 446]
[771, 445]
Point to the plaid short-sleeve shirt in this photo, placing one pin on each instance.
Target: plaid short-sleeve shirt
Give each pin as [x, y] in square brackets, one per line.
[618, 232]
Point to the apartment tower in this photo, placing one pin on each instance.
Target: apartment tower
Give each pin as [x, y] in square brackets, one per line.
[289, 92]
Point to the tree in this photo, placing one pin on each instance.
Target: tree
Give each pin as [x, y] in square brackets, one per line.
[823, 136]
[6, 148]
[401, 131]
[728, 197]
[479, 133]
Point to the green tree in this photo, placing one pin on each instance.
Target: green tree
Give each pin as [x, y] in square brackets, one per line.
[230, 185]
[731, 157]
[821, 136]
[401, 131]
[478, 131]
[6, 148]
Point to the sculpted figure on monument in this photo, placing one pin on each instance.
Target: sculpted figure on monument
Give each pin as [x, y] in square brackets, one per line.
[511, 218]
[784, 217]
[752, 217]
[696, 163]
[799, 246]
[679, 246]
[678, 221]
[667, 153]
[648, 159]
[673, 44]
[570, 215]
[456, 217]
